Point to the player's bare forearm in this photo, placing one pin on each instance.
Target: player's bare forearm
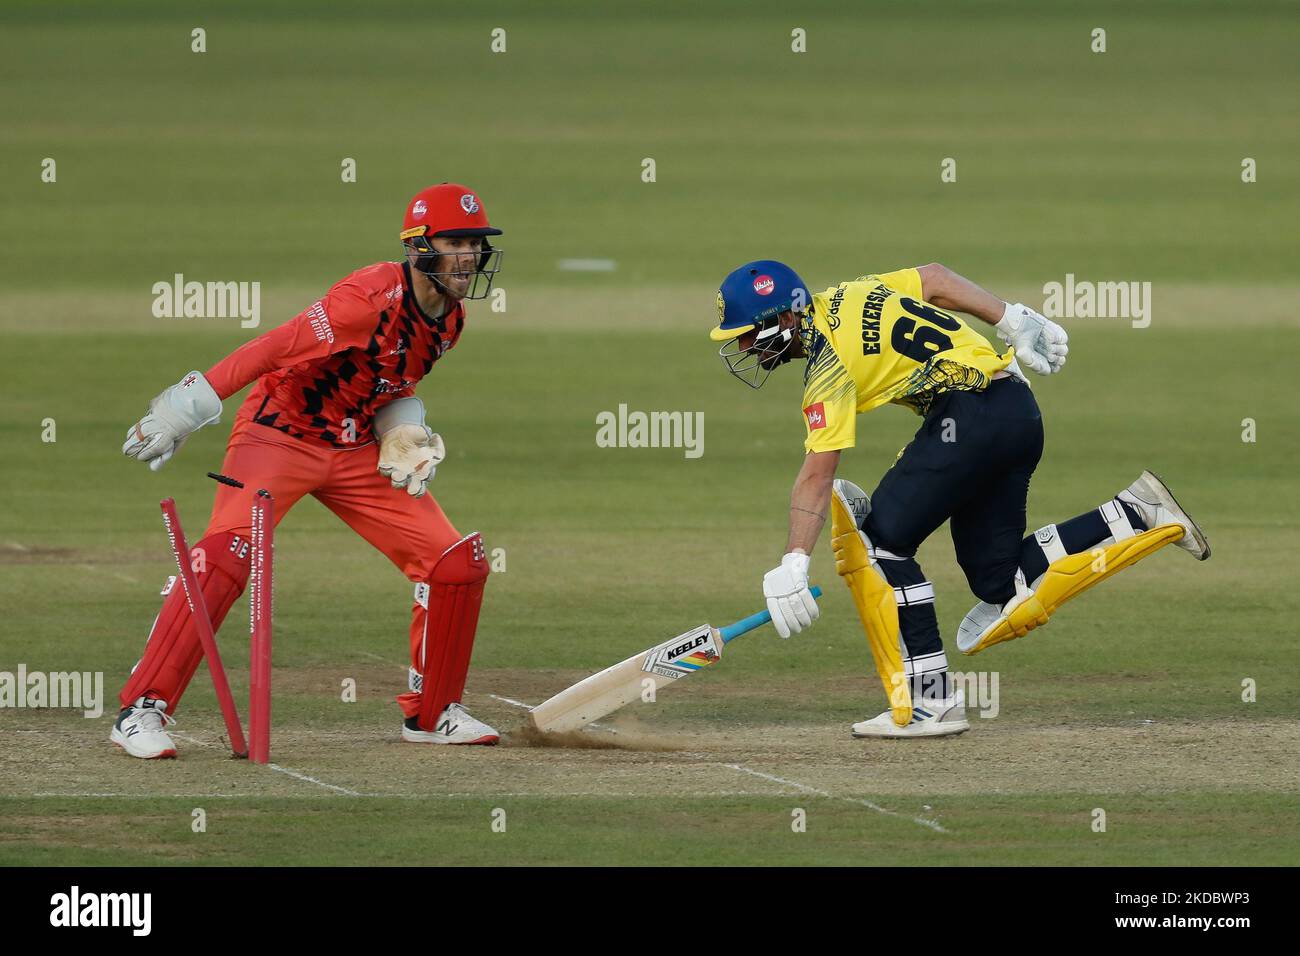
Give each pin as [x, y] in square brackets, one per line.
[810, 499]
[942, 287]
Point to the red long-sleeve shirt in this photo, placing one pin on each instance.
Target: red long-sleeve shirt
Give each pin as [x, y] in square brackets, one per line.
[322, 375]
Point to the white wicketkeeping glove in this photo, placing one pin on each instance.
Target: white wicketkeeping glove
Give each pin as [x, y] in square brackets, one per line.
[1039, 342]
[409, 450]
[789, 601]
[173, 416]
[409, 455]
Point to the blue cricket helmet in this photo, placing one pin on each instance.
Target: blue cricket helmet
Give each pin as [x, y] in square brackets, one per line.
[756, 292]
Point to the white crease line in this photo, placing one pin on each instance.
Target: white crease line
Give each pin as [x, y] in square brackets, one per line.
[505, 700]
[920, 821]
[790, 783]
[194, 740]
[511, 701]
[386, 660]
[278, 769]
[319, 783]
[520, 703]
[468, 795]
[15, 546]
[592, 794]
[141, 796]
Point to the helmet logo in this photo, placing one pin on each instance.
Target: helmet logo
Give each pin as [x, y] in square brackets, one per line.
[419, 209]
[764, 285]
[722, 308]
[469, 203]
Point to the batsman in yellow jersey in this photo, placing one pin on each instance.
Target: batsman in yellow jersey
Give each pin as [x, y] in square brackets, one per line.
[894, 338]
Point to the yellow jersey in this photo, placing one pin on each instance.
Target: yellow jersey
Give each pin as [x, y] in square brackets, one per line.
[875, 340]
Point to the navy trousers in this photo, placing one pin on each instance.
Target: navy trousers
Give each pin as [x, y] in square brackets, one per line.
[969, 463]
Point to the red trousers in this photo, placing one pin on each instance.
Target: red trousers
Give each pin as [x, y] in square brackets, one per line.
[412, 532]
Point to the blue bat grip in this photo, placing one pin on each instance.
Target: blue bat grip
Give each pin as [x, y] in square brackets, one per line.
[733, 631]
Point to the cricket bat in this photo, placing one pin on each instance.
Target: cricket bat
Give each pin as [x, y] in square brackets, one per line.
[659, 666]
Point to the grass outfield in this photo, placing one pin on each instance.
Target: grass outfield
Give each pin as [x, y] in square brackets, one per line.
[734, 829]
[1130, 701]
[1125, 163]
[1112, 167]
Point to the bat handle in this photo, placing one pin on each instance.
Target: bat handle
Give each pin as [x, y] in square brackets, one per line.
[733, 631]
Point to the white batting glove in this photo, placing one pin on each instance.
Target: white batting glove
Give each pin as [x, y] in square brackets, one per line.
[173, 416]
[409, 455]
[1040, 343]
[789, 601]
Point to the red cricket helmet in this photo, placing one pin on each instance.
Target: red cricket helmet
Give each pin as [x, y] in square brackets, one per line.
[449, 210]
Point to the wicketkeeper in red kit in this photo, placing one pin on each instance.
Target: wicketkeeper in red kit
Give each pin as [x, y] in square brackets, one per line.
[333, 414]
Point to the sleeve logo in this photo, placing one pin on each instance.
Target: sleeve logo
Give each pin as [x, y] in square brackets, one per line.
[816, 415]
[320, 323]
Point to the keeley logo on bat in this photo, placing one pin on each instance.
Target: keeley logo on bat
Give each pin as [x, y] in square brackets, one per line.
[681, 649]
[683, 655]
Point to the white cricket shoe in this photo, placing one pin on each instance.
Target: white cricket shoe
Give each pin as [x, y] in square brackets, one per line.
[930, 718]
[1154, 502]
[454, 726]
[139, 730]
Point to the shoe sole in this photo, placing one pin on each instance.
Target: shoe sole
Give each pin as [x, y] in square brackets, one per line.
[161, 755]
[921, 735]
[487, 740]
[1172, 504]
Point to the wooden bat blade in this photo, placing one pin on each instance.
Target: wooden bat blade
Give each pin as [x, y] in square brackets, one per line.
[620, 684]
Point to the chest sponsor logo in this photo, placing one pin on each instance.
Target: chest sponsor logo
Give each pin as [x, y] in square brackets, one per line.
[816, 415]
[383, 386]
[833, 316]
